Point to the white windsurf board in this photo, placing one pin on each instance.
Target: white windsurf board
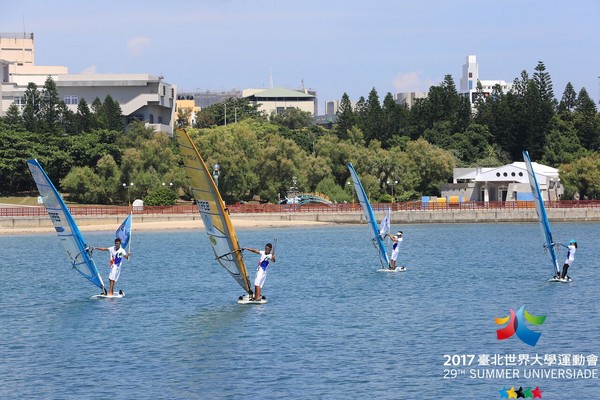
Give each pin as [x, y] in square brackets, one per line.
[106, 296]
[398, 269]
[248, 300]
[566, 280]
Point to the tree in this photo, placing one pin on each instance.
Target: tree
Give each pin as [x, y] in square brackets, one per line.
[50, 110]
[371, 121]
[84, 119]
[585, 120]
[13, 119]
[433, 166]
[31, 112]
[391, 120]
[99, 115]
[568, 102]
[113, 114]
[544, 83]
[582, 176]
[230, 111]
[292, 118]
[346, 118]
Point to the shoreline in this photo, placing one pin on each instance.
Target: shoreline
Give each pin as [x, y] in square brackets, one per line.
[155, 222]
[169, 225]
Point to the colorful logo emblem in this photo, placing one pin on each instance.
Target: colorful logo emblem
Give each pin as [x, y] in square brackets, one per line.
[516, 324]
[521, 393]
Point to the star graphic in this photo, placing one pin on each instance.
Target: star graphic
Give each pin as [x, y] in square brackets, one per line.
[528, 394]
[537, 393]
[520, 394]
[503, 393]
[511, 393]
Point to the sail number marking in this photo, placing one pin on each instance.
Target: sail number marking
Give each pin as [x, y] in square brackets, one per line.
[54, 216]
[203, 205]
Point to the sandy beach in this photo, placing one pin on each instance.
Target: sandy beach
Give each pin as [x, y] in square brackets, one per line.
[239, 223]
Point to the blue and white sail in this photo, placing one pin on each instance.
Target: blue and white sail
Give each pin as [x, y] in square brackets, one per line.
[384, 226]
[77, 251]
[369, 216]
[541, 212]
[123, 232]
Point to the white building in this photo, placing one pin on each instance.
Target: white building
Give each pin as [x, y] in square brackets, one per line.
[409, 98]
[143, 97]
[470, 76]
[506, 183]
[277, 100]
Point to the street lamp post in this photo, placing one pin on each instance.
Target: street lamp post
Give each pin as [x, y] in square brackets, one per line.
[128, 187]
[216, 173]
[392, 184]
[349, 183]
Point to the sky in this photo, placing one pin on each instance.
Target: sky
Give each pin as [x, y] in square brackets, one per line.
[330, 46]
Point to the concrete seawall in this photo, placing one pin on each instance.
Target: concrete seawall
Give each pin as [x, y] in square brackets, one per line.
[408, 217]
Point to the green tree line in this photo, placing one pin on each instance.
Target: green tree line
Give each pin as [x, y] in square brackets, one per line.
[91, 153]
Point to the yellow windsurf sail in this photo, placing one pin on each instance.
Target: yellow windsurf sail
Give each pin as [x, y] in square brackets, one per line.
[212, 209]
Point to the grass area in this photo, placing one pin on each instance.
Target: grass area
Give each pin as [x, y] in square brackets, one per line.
[19, 200]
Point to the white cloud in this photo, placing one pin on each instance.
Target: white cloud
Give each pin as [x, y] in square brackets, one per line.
[89, 70]
[137, 45]
[411, 82]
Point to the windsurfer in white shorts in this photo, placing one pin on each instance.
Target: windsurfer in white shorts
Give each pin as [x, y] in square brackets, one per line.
[570, 258]
[261, 271]
[116, 258]
[395, 248]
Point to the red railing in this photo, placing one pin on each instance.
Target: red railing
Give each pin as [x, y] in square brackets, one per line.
[20, 211]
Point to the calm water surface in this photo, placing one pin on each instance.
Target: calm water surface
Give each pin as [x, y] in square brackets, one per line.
[333, 328]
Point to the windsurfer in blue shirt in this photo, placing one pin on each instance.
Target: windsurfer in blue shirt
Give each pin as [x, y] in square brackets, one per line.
[572, 247]
[261, 271]
[395, 248]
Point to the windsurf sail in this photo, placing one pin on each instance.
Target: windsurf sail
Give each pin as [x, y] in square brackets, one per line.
[78, 252]
[369, 216]
[384, 226]
[123, 232]
[541, 212]
[213, 212]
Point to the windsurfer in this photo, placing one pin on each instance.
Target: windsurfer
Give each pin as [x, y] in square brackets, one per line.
[572, 247]
[395, 248]
[261, 271]
[116, 258]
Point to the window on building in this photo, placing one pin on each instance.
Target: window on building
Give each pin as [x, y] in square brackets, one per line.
[164, 90]
[20, 101]
[470, 74]
[151, 118]
[280, 110]
[71, 99]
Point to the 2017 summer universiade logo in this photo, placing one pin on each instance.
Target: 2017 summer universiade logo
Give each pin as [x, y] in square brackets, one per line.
[516, 324]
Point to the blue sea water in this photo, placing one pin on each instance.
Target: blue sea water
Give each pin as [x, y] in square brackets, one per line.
[334, 328]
